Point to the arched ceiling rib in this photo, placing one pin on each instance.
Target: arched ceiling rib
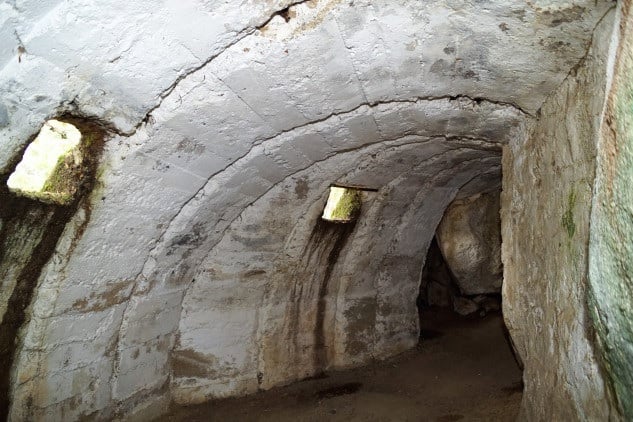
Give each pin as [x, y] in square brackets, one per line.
[337, 57]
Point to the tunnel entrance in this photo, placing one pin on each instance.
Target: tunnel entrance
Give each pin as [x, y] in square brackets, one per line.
[468, 328]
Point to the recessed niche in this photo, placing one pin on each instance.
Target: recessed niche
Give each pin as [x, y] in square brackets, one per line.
[343, 204]
[51, 167]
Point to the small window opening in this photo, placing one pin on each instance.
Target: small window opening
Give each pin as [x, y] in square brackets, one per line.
[343, 204]
[50, 170]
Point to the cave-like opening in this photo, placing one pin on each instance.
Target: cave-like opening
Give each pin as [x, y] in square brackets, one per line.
[460, 304]
[440, 293]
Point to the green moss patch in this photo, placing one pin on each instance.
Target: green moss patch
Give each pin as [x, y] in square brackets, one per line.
[343, 204]
[568, 217]
[51, 169]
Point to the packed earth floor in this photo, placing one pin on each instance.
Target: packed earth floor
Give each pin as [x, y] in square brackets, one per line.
[462, 370]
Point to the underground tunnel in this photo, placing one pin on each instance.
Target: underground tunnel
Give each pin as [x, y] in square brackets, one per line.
[178, 256]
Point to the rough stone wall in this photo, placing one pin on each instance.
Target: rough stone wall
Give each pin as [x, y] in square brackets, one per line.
[470, 239]
[611, 245]
[546, 201]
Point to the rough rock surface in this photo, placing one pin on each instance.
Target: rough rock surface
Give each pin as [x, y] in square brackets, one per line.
[469, 236]
[546, 202]
[611, 244]
[464, 306]
[201, 269]
[438, 288]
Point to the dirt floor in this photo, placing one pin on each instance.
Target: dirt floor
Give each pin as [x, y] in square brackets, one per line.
[463, 370]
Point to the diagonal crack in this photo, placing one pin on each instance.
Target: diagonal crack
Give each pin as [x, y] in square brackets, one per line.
[165, 93]
[282, 12]
[239, 36]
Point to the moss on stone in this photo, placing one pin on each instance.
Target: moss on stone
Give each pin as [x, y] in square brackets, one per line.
[568, 217]
[52, 168]
[610, 298]
[348, 207]
[63, 183]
